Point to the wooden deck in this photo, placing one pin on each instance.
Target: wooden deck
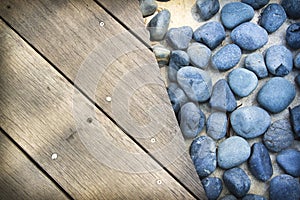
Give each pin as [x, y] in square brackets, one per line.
[84, 112]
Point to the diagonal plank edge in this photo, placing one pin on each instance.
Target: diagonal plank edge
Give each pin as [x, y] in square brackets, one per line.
[119, 68]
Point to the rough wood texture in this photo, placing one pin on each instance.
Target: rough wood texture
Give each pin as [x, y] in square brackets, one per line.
[37, 112]
[107, 61]
[20, 179]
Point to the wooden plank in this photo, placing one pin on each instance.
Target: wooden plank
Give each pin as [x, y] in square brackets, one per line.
[107, 61]
[37, 111]
[20, 178]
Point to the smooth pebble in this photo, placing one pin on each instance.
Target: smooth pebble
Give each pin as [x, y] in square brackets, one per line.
[216, 125]
[295, 120]
[227, 57]
[255, 62]
[213, 187]
[207, 8]
[284, 187]
[199, 55]
[148, 7]
[292, 8]
[158, 25]
[297, 61]
[179, 38]
[289, 161]
[293, 36]
[162, 54]
[177, 96]
[256, 4]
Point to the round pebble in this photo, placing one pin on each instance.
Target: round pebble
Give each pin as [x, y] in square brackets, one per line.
[295, 120]
[162, 54]
[222, 97]
[284, 187]
[177, 97]
[253, 197]
[211, 34]
[292, 8]
[279, 136]
[178, 59]
[276, 95]
[207, 8]
[237, 181]
[216, 125]
[249, 36]
[293, 36]
[158, 26]
[279, 60]
[179, 38]
[256, 4]
[213, 187]
[259, 163]
[272, 17]
[227, 57]
[203, 154]
[250, 121]
[233, 152]
[255, 62]
[297, 61]
[231, 14]
[242, 81]
[191, 120]
[289, 161]
[148, 7]
[195, 82]
[199, 55]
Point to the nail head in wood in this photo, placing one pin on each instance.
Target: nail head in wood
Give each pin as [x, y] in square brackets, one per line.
[54, 156]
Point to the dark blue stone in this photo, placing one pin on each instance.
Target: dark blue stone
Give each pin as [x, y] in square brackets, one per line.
[179, 38]
[216, 125]
[177, 97]
[289, 161]
[211, 34]
[297, 80]
[295, 119]
[253, 197]
[259, 163]
[199, 55]
[249, 36]
[231, 14]
[191, 120]
[178, 59]
[213, 187]
[293, 36]
[279, 60]
[272, 17]
[227, 57]
[276, 95]
[255, 62]
[279, 136]
[237, 181]
[292, 8]
[207, 8]
[222, 97]
[148, 7]
[284, 187]
[159, 24]
[297, 61]
[203, 154]
[229, 197]
[256, 4]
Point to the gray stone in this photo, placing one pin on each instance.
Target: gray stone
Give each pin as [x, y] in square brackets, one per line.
[233, 152]
[227, 57]
[255, 62]
[295, 120]
[178, 59]
[158, 26]
[177, 97]
[289, 161]
[148, 7]
[216, 125]
[162, 54]
[213, 187]
[284, 187]
[256, 4]
[207, 8]
[199, 55]
[179, 38]
[195, 82]
[250, 121]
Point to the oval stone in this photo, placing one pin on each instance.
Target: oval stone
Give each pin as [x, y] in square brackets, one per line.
[292, 8]
[203, 154]
[207, 8]
[216, 125]
[250, 121]
[227, 57]
[199, 55]
[177, 97]
[255, 62]
[276, 95]
[293, 36]
[195, 82]
[284, 187]
[249, 36]
[178, 59]
[179, 38]
[256, 4]
[159, 24]
[233, 152]
[289, 161]
[148, 7]
[213, 187]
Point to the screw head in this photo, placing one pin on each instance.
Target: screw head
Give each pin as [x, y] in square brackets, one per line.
[101, 23]
[54, 156]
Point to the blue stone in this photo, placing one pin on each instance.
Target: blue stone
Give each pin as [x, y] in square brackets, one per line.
[191, 120]
[250, 121]
[259, 163]
[295, 119]
[256, 4]
[292, 8]
[177, 96]
[199, 55]
[216, 125]
[158, 25]
[203, 154]
[227, 57]
[229, 197]
[148, 7]
[231, 15]
[249, 36]
[242, 81]
[233, 152]
[211, 34]
[237, 181]
[297, 80]
[293, 36]
[289, 161]
[213, 187]
[195, 82]
[255, 62]
[222, 97]
[284, 187]
[253, 197]
[297, 61]
[178, 59]
[207, 8]
[279, 60]
[276, 95]
[272, 17]
[179, 38]
[279, 136]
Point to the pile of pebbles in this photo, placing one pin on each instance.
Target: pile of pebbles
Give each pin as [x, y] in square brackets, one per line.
[227, 134]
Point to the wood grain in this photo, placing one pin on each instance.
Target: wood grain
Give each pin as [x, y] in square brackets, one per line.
[37, 112]
[107, 61]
